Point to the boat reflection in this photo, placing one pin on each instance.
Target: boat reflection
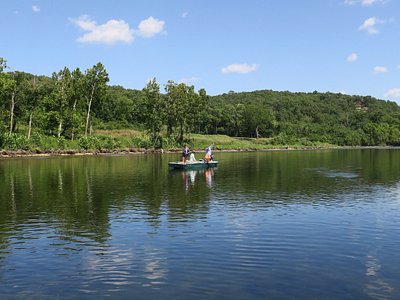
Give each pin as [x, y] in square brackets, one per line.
[190, 178]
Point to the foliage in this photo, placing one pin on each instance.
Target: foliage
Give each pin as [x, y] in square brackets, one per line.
[153, 110]
[38, 112]
[142, 142]
[316, 117]
[89, 142]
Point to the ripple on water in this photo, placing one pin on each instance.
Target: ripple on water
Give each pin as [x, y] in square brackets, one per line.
[257, 238]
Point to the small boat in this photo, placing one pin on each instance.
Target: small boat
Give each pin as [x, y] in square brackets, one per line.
[193, 164]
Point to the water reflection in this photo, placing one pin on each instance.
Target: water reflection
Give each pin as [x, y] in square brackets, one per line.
[108, 265]
[189, 177]
[155, 267]
[80, 192]
[209, 174]
[376, 286]
[260, 224]
[335, 173]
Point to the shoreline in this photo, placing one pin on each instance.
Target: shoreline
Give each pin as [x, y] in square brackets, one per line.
[141, 151]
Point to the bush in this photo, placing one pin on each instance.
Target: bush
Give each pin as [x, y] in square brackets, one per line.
[89, 142]
[109, 142]
[14, 141]
[283, 139]
[168, 142]
[142, 142]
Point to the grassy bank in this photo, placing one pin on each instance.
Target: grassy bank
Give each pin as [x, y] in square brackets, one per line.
[135, 141]
[224, 142]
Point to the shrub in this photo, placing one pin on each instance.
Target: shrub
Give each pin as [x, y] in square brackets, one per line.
[15, 141]
[89, 142]
[142, 142]
[109, 142]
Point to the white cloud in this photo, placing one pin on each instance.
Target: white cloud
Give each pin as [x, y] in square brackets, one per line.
[369, 25]
[184, 14]
[369, 2]
[114, 31]
[380, 70]
[352, 57]
[393, 93]
[362, 2]
[35, 8]
[111, 32]
[150, 27]
[239, 68]
[85, 23]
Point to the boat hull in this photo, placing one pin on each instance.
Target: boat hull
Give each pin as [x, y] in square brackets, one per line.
[192, 165]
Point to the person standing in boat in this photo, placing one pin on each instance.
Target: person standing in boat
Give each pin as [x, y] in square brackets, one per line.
[192, 158]
[185, 153]
[209, 157]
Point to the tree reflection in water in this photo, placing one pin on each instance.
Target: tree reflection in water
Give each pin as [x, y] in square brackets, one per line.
[128, 225]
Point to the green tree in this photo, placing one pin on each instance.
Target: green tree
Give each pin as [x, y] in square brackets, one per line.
[171, 107]
[199, 111]
[31, 104]
[3, 92]
[62, 90]
[258, 120]
[95, 86]
[75, 103]
[182, 108]
[10, 91]
[153, 111]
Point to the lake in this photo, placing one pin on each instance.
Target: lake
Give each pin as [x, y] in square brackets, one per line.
[321, 224]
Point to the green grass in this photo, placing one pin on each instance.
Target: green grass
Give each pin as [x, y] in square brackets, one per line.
[115, 140]
[223, 142]
[198, 141]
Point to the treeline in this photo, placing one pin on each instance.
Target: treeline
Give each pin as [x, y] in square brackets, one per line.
[62, 105]
[71, 103]
[288, 118]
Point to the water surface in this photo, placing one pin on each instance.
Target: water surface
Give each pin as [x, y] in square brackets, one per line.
[264, 225]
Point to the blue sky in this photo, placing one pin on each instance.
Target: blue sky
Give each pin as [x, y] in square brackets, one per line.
[348, 46]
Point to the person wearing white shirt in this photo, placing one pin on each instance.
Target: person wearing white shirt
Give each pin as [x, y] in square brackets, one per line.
[192, 158]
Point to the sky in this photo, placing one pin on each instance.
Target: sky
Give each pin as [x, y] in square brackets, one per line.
[346, 46]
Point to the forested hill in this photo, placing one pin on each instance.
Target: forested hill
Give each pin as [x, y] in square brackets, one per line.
[285, 117]
[72, 104]
[325, 117]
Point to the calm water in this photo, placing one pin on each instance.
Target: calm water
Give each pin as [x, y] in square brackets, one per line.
[268, 225]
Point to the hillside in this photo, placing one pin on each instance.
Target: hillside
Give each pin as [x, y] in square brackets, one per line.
[72, 105]
[324, 117]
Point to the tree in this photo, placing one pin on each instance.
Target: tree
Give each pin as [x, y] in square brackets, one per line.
[28, 97]
[10, 89]
[74, 102]
[171, 107]
[4, 87]
[181, 107]
[39, 87]
[153, 111]
[63, 86]
[31, 105]
[3, 64]
[95, 85]
[258, 120]
[235, 119]
[199, 109]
